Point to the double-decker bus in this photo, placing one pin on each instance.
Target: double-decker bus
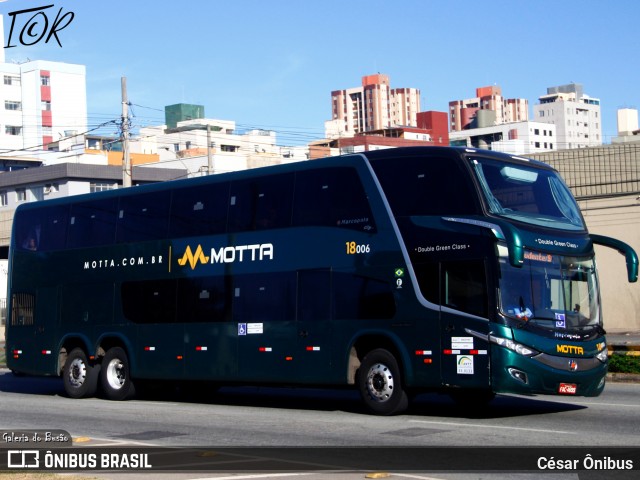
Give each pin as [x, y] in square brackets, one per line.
[395, 272]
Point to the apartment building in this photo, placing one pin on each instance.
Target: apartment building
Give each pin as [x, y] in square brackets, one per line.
[487, 108]
[575, 115]
[41, 102]
[372, 106]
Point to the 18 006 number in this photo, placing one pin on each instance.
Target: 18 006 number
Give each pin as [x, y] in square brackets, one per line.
[354, 248]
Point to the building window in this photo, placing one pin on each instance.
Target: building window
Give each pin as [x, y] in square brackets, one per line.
[4, 201]
[11, 80]
[100, 187]
[45, 81]
[12, 105]
[21, 195]
[11, 130]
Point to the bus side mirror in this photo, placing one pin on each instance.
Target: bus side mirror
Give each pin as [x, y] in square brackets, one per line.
[503, 231]
[629, 253]
[514, 244]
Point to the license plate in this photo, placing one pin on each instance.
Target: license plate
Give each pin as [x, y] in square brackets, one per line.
[567, 388]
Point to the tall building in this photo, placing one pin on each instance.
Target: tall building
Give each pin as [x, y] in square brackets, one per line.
[40, 103]
[575, 115]
[487, 108]
[372, 106]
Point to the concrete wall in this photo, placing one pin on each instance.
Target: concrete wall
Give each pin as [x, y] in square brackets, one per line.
[606, 182]
[619, 218]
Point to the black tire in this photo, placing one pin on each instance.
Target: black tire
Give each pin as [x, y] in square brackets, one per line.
[79, 377]
[115, 377]
[380, 383]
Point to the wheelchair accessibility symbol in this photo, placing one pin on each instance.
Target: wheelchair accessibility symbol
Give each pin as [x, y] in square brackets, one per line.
[242, 329]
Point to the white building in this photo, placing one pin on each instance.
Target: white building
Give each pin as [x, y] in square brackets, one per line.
[41, 102]
[575, 115]
[186, 147]
[519, 138]
[628, 131]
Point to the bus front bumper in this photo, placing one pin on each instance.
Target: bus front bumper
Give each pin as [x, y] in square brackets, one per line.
[546, 374]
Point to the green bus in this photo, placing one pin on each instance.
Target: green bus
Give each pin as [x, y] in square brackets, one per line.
[395, 272]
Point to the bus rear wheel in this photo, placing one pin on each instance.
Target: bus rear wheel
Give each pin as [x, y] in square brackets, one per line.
[79, 377]
[380, 383]
[115, 378]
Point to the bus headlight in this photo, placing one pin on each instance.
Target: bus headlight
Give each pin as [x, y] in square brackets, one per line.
[603, 356]
[514, 346]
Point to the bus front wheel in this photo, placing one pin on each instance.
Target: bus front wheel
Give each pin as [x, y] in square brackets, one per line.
[79, 377]
[115, 378]
[380, 383]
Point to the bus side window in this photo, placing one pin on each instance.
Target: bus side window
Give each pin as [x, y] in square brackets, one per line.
[358, 297]
[44, 230]
[261, 203]
[149, 301]
[92, 223]
[332, 197]
[427, 186]
[199, 210]
[464, 286]
[143, 217]
[314, 295]
[204, 299]
[264, 297]
[428, 275]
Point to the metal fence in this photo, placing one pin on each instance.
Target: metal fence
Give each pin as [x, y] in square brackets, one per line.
[598, 172]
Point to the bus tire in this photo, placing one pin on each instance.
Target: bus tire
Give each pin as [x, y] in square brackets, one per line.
[115, 377]
[79, 377]
[380, 383]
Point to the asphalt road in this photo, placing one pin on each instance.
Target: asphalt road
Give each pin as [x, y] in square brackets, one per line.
[286, 418]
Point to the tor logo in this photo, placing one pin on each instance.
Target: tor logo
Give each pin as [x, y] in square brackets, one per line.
[193, 258]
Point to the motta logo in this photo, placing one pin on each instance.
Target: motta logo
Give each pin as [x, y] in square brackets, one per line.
[193, 259]
[231, 254]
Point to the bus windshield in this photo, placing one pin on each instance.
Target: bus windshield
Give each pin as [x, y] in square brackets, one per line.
[552, 291]
[527, 194]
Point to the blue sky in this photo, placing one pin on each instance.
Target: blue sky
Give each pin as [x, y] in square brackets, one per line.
[273, 64]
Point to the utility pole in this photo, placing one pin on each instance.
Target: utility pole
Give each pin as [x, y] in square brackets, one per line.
[126, 158]
[209, 156]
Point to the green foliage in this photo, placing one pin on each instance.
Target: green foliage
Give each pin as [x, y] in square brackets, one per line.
[624, 363]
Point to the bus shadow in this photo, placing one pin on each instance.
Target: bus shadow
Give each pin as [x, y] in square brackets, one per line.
[46, 386]
[311, 399]
[349, 401]
[503, 406]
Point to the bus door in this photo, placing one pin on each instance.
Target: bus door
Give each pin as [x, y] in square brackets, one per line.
[464, 305]
[159, 346]
[211, 339]
[313, 352]
[264, 316]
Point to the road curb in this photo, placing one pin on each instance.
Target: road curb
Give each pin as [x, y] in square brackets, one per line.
[632, 350]
[616, 377]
